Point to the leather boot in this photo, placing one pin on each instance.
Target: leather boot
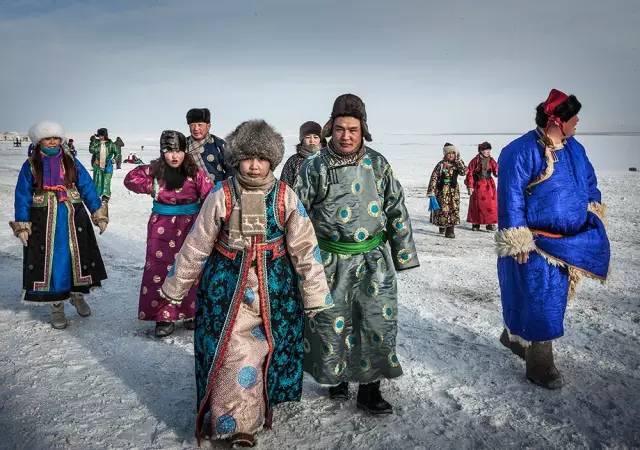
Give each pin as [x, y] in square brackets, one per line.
[449, 233]
[475, 227]
[540, 367]
[164, 329]
[491, 228]
[189, 324]
[515, 347]
[58, 319]
[441, 230]
[82, 308]
[370, 399]
[339, 392]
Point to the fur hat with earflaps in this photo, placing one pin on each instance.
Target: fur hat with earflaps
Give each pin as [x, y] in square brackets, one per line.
[254, 139]
[450, 148]
[45, 129]
[348, 105]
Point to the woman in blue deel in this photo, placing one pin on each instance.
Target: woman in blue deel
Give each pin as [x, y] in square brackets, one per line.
[551, 233]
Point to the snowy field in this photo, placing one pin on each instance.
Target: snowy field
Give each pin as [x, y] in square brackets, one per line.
[106, 382]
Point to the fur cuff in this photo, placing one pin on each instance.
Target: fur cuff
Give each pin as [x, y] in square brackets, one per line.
[599, 209]
[19, 227]
[101, 214]
[511, 241]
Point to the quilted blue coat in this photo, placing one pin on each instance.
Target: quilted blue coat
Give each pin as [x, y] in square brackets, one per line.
[549, 205]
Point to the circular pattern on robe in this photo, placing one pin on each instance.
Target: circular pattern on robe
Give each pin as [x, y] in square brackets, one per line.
[393, 359]
[382, 265]
[365, 364]
[160, 230]
[326, 258]
[327, 349]
[367, 163]
[356, 187]
[142, 315]
[219, 167]
[338, 324]
[317, 255]
[404, 256]
[387, 312]
[376, 338]
[147, 265]
[172, 243]
[157, 278]
[361, 270]
[165, 314]
[372, 289]
[340, 368]
[344, 214]
[328, 300]
[181, 316]
[249, 296]
[247, 377]
[30, 266]
[335, 236]
[144, 290]
[79, 229]
[159, 254]
[361, 234]
[154, 219]
[399, 226]
[312, 324]
[258, 333]
[173, 219]
[301, 209]
[225, 424]
[307, 345]
[179, 233]
[351, 341]
[211, 158]
[374, 208]
[154, 303]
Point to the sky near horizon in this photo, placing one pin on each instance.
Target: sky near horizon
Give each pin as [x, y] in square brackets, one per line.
[420, 66]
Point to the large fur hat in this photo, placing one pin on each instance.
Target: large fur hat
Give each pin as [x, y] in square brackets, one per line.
[254, 139]
[45, 129]
[450, 148]
[352, 106]
[310, 127]
[198, 115]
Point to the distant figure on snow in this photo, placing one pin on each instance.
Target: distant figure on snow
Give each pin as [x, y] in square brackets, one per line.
[483, 206]
[103, 155]
[310, 143]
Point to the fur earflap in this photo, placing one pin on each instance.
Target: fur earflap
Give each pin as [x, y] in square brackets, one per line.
[255, 139]
[45, 129]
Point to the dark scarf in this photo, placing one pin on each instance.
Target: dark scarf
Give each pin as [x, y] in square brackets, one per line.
[174, 178]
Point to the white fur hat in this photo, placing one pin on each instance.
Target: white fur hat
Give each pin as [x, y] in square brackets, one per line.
[450, 148]
[46, 129]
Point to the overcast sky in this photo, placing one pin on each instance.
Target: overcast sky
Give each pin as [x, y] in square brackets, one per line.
[135, 67]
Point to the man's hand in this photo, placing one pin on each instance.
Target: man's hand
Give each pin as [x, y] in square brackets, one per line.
[522, 257]
[24, 237]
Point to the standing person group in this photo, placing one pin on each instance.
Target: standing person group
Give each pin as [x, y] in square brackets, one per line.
[278, 277]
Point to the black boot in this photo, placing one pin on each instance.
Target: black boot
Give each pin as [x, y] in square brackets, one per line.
[370, 399]
[441, 230]
[540, 367]
[339, 392]
[515, 347]
[475, 227]
[449, 233]
[164, 329]
[490, 227]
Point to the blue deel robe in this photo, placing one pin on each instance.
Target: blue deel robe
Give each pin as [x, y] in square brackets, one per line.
[554, 193]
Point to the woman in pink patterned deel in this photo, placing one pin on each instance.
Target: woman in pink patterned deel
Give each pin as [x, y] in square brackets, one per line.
[178, 189]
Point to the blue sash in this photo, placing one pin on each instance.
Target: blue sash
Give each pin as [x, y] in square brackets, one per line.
[175, 210]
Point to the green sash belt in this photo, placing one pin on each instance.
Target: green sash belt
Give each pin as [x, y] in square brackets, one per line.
[352, 248]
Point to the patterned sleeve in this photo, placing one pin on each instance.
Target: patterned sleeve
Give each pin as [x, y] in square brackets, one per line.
[94, 147]
[203, 184]
[288, 175]
[139, 180]
[304, 252]
[399, 233]
[433, 181]
[196, 248]
[310, 182]
[468, 180]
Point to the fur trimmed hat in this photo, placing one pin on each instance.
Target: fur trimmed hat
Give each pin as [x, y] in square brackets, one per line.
[103, 132]
[254, 139]
[45, 129]
[171, 141]
[348, 105]
[484, 146]
[310, 127]
[198, 115]
[449, 148]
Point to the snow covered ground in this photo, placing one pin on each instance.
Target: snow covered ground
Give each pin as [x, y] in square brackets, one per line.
[106, 382]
